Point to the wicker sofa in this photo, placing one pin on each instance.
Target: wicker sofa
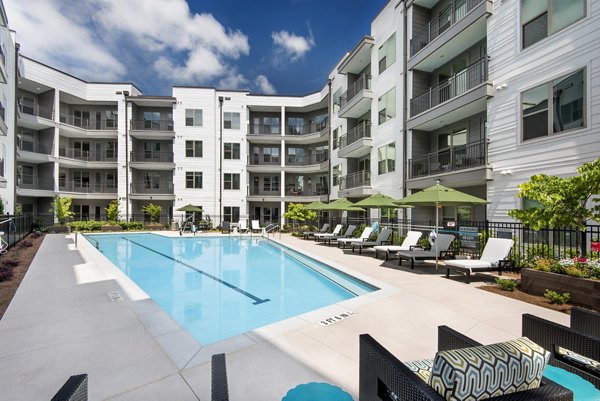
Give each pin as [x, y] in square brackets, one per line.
[384, 377]
[552, 335]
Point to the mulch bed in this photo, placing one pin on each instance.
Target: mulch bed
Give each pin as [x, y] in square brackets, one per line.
[21, 253]
[523, 296]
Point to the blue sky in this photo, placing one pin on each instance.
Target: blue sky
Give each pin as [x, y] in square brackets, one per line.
[283, 47]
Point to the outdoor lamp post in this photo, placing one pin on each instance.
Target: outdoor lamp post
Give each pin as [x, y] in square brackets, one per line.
[221, 99]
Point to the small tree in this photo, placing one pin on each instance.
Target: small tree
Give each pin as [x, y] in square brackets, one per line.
[296, 212]
[153, 210]
[61, 208]
[563, 201]
[113, 210]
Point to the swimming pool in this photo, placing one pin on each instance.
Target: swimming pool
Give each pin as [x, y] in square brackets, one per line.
[219, 287]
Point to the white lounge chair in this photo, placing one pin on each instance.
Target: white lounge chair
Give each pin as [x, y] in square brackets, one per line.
[256, 226]
[349, 241]
[493, 257]
[307, 234]
[382, 238]
[336, 231]
[329, 237]
[411, 240]
[242, 226]
[443, 242]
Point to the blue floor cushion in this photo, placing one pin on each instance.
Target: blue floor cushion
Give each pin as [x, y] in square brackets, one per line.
[317, 392]
[582, 389]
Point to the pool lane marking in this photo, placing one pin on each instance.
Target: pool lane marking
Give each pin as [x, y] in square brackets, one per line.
[257, 301]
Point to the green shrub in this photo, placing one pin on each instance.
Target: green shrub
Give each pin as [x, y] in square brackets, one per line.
[153, 210]
[574, 271]
[89, 225]
[60, 208]
[506, 284]
[556, 298]
[359, 230]
[538, 251]
[132, 225]
[112, 210]
[424, 242]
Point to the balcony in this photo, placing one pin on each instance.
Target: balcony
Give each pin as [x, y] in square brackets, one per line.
[462, 95]
[152, 129]
[455, 29]
[35, 117]
[86, 188]
[152, 160]
[307, 164]
[460, 165]
[356, 184]
[88, 155]
[356, 101]
[33, 186]
[262, 129]
[34, 152]
[74, 126]
[149, 191]
[357, 142]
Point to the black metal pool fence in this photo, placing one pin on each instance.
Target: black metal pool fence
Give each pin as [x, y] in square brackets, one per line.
[564, 242]
[14, 228]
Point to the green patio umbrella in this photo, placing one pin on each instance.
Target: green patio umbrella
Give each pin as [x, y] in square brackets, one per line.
[380, 201]
[189, 208]
[343, 204]
[437, 196]
[316, 206]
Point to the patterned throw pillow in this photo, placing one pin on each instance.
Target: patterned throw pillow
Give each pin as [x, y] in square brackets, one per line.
[421, 368]
[478, 373]
[578, 360]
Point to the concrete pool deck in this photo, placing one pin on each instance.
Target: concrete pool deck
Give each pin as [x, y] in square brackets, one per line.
[76, 313]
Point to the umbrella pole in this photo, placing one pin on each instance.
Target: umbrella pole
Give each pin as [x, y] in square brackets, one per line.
[437, 213]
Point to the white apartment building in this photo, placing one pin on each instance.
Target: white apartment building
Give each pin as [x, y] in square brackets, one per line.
[7, 112]
[477, 94]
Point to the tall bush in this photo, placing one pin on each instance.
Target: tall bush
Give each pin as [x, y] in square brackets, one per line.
[112, 211]
[61, 208]
[153, 210]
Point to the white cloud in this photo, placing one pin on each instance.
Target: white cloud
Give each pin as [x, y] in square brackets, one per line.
[264, 86]
[292, 45]
[49, 35]
[233, 80]
[87, 37]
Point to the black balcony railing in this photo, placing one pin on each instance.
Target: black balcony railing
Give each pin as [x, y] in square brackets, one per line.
[262, 129]
[456, 85]
[448, 160]
[35, 183]
[152, 125]
[362, 83]
[305, 191]
[34, 147]
[356, 180]
[151, 188]
[89, 188]
[264, 160]
[89, 123]
[313, 128]
[151, 156]
[294, 160]
[88, 155]
[274, 191]
[363, 130]
[37, 111]
[449, 16]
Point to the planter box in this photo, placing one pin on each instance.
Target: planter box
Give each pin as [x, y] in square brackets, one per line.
[153, 226]
[583, 291]
[112, 228]
[58, 229]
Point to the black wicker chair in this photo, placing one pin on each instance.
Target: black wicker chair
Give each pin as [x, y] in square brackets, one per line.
[585, 321]
[385, 377]
[551, 335]
[219, 389]
[74, 389]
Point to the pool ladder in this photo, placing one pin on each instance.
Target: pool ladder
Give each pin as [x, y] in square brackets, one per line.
[271, 229]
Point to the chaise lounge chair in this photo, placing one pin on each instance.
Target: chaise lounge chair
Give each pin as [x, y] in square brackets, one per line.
[225, 228]
[382, 376]
[328, 237]
[336, 231]
[307, 234]
[242, 226]
[443, 242]
[493, 258]
[364, 236]
[256, 226]
[411, 240]
[382, 239]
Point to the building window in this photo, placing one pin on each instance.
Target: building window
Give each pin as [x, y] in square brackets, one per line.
[336, 137]
[111, 118]
[193, 148]
[231, 214]
[193, 117]
[336, 172]
[151, 180]
[387, 106]
[231, 181]
[193, 179]
[151, 120]
[271, 156]
[27, 105]
[386, 157]
[387, 53]
[295, 125]
[231, 120]
[271, 183]
[554, 107]
[231, 151]
[542, 18]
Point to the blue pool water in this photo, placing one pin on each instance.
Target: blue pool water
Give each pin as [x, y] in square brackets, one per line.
[218, 287]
